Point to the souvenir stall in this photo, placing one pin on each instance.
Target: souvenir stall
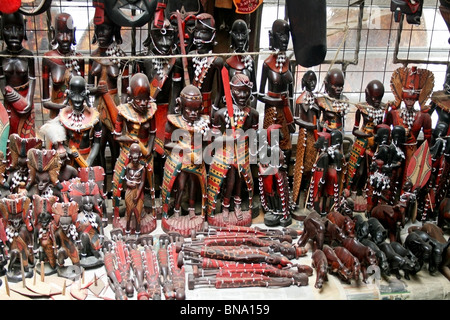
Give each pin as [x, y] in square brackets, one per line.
[224, 150]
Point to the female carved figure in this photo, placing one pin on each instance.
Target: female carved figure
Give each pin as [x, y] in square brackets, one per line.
[228, 173]
[240, 36]
[19, 233]
[372, 114]
[17, 76]
[57, 71]
[306, 115]
[411, 85]
[333, 104]
[134, 193]
[135, 124]
[105, 72]
[205, 71]
[185, 169]
[277, 75]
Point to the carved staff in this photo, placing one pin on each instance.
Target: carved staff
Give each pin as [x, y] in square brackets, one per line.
[239, 254]
[222, 268]
[151, 273]
[114, 277]
[288, 250]
[252, 230]
[244, 281]
[138, 271]
[163, 262]
[187, 80]
[178, 273]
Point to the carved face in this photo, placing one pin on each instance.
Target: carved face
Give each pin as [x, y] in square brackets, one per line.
[374, 93]
[163, 38]
[120, 11]
[140, 92]
[239, 36]
[13, 31]
[280, 35]
[105, 34]
[409, 99]
[204, 33]
[15, 220]
[309, 81]
[22, 165]
[135, 153]
[65, 222]
[241, 89]
[191, 109]
[44, 219]
[77, 92]
[42, 181]
[87, 203]
[64, 32]
[334, 83]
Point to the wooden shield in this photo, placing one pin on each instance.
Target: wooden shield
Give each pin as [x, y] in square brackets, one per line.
[4, 128]
[419, 168]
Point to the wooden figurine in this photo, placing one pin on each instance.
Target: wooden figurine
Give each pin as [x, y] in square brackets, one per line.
[274, 188]
[134, 192]
[372, 114]
[44, 167]
[82, 125]
[60, 64]
[241, 62]
[333, 104]
[17, 76]
[67, 241]
[230, 168]
[165, 75]
[136, 124]
[184, 170]
[204, 67]
[106, 69]
[19, 233]
[18, 171]
[327, 179]
[411, 86]
[276, 75]
[306, 115]
[44, 232]
[89, 223]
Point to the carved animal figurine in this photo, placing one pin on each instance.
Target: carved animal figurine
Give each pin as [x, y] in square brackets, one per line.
[320, 264]
[335, 265]
[407, 254]
[333, 234]
[376, 230]
[344, 222]
[365, 255]
[350, 261]
[361, 227]
[392, 218]
[437, 251]
[396, 261]
[313, 229]
[382, 261]
[421, 249]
